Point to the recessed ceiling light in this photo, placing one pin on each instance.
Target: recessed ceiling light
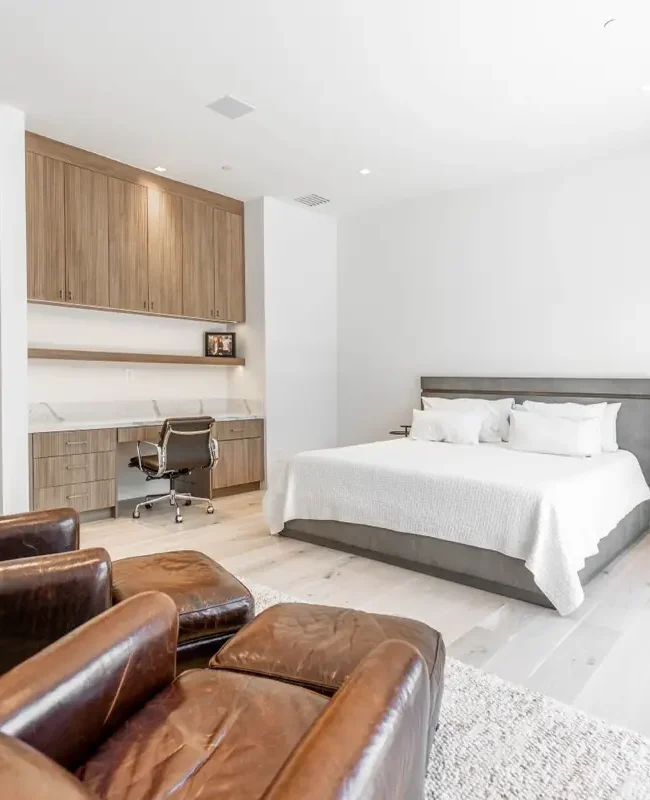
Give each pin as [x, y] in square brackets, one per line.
[609, 22]
[646, 89]
[160, 169]
[364, 171]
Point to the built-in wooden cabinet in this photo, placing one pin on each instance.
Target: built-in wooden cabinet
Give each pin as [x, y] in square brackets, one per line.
[127, 246]
[86, 237]
[45, 228]
[198, 260]
[106, 235]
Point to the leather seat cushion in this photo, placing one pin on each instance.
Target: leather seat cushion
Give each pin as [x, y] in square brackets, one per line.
[214, 734]
[209, 599]
[149, 462]
[319, 646]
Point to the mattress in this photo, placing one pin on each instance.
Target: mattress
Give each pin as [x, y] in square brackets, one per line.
[549, 511]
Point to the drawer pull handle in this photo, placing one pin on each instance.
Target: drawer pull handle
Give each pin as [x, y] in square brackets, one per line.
[84, 442]
[79, 466]
[237, 430]
[72, 496]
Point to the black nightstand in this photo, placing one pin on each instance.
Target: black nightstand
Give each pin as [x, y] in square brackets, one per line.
[406, 429]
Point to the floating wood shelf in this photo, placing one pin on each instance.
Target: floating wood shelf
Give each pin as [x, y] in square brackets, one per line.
[133, 358]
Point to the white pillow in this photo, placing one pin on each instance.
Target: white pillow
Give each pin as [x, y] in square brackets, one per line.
[559, 436]
[496, 412]
[605, 412]
[447, 426]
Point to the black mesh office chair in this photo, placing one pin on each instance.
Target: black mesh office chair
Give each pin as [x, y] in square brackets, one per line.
[186, 443]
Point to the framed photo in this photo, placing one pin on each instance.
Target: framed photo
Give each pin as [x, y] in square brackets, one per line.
[220, 345]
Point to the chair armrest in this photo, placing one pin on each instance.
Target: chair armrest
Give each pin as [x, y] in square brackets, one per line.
[45, 597]
[67, 699]
[26, 773]
[370, 743]
[38, 533]
[156, 447]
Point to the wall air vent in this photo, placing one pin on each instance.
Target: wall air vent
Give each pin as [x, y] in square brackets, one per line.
[311, 200]
[230, 107]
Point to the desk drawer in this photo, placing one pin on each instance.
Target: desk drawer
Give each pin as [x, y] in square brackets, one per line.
[66, 443]
[239, 429]
[147, 434]
[81, 496]
[81, 468]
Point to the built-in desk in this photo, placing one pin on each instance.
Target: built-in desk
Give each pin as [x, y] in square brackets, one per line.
[75, 456]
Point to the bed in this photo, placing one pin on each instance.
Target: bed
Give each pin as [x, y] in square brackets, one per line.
[407, 516]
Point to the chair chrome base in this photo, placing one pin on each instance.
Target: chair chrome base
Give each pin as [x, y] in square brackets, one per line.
[173, 496]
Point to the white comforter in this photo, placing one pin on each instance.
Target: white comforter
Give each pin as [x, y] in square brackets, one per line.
[550, 511]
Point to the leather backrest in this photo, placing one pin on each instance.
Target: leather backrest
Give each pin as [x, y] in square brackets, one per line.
[26, 774]
[186, 442]
[45, 597]
[67, 699]
[36, 533]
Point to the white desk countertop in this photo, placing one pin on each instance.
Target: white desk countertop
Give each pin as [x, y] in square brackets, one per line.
[48, 417]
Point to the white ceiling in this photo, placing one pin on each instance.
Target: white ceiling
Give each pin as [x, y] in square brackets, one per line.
[428, 94]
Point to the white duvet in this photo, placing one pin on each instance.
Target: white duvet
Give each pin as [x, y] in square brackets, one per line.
[550, 511]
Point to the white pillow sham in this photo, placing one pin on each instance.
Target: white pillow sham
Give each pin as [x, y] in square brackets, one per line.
[605, 412]
[496, 413]
[454, 427]
[555, 435]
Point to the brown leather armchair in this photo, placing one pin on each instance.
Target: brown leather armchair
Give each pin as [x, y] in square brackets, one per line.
[100, 715]
[38, 533]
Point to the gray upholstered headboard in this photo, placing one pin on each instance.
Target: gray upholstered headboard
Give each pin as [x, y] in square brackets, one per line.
[633, 424]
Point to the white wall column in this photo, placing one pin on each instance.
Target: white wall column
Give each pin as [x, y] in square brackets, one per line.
[14, 471]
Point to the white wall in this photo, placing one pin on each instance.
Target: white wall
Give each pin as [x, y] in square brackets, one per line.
[300, 329]
[89, 329]
[545, 276]
[14, 482]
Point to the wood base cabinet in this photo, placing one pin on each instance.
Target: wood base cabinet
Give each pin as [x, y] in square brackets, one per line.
[240, 461]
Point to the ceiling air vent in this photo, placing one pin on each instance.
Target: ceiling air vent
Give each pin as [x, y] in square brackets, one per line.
[311, 200]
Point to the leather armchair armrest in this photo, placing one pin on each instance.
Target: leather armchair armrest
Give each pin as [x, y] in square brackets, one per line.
[370, 743]
[43, 598]
[38, 533]
[26, 774]
[67, 699]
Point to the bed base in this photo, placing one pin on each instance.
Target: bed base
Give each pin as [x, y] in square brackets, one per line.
[461, 563]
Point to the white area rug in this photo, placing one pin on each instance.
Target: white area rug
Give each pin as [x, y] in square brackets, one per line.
[497, 740]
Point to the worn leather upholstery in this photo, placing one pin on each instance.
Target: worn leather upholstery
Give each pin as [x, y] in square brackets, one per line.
[45, 597]
[37, 533]
[320, 646]
[26, 774]
[210, 601]
[371, 740]
[67, 699]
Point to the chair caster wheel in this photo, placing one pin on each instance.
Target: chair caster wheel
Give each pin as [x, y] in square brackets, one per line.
[179, 519]
[148, 505]
[136, 515]
[209, 510]
[188, 503]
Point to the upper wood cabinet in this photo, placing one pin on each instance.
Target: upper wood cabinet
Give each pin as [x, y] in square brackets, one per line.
[127, 246]
[165, 253]
[107, 235]
[45, 228]
[86, 236]
[198, 260]
[229, 256]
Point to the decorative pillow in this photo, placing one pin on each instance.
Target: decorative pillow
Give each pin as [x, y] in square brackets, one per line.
[496, 412]
[555, 435]
[447, 426]
[605, 412]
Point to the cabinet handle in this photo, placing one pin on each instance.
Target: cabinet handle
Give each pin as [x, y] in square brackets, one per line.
[144, 305]
[211, 313]
[85, 442]
[69, 295]
[236, 430]
[60, 294]
[72, 496]
[152, 306]
[79, 466]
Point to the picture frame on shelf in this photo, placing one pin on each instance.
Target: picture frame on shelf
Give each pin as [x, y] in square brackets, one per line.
[220, 345]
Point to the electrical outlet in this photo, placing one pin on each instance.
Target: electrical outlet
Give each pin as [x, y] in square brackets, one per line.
[128, 374]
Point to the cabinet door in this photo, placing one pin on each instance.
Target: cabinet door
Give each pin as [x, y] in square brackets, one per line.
[198, 259]
[86, 236]
[127, 245]
[229, 254]
[240, 461]
[45, 228]
[165, 253]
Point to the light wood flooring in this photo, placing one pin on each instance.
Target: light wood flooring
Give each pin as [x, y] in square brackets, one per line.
[598, 659]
